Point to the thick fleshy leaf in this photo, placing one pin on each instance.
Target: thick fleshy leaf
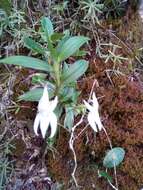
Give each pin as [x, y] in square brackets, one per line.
[65, 68]
[28, 62]
[47, 26]
[69, 94]
[58, 110]
[69, 118]
[35, 94]
[71, 46]
[34, 46]
[74, 71]
[56, 36]
[114, 157]
[63, 40]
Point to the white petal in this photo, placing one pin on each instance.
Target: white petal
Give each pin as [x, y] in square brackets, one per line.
[53, 124]
[44, 124]
[91, 121]
[36, 124]
[44, 100]
[53, 103]
[46, 115]
[95, 102]
[88, 106]
[98, 121]
[45, 94]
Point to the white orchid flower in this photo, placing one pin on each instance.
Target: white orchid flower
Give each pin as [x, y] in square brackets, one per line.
[93, 115]
[46, 115]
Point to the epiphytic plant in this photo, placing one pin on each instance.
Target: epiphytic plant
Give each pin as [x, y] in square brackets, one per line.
[59, 76]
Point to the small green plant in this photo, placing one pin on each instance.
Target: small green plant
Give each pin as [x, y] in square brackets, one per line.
[3, 21]
[11, 23]
[59, 8]
[92, 9]
[13, 26]
[60, 77]
[6, 166]
[6, 5]
[109, 52]
[115, 8]
[5, 171]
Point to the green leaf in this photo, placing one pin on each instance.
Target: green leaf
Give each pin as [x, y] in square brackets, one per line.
[114, 157]
[63, 40]
[49, 31]
[105, 175]
[56, 36]
[69, 118]
[65, 67]
[31, 44]
[39, 78]
[71, 46]
[80, 53]
[70, 95]
[58, 110]
[35, 94]
[28, 62]
[32, 95]
[47, 26]
[6, 5]
[66, 94]
[74, 71]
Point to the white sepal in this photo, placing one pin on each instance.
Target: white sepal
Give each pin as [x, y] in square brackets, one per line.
[36, 123]
[93, 115]
[53, 123]
[46, 115]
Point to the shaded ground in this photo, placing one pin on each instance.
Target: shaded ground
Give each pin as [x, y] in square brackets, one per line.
[120, 89]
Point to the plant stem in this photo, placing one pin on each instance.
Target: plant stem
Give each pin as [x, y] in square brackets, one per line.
[57, 76]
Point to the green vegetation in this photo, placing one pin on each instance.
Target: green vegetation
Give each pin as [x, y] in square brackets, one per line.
[62, 76]
[72, 49]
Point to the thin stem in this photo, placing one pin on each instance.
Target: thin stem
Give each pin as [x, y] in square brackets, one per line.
[57, 73]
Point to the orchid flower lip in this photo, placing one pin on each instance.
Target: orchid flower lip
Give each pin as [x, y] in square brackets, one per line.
[45, 116]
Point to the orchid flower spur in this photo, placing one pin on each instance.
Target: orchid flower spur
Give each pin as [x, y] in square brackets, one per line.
[93, 115]
[46, 115]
